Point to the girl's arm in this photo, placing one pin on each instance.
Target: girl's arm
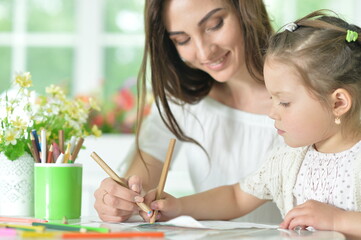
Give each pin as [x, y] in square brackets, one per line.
[323, 216]
[221, 203]
[349, 223]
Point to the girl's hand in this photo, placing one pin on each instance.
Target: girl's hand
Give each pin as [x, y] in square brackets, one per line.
[320, 216]
[115, 203]
[168, 206]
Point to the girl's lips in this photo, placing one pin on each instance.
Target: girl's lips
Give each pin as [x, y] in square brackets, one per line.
[280, 132]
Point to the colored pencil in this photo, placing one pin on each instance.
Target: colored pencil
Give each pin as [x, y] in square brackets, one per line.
[24, 227]
[36, 139]
[7, 232]
[56, 151]
[43, 146]
[50, 155]
[60, 158]
[163, 176]
[32, 152]
[72, 144]
[35, 148]
[67, 153]
[36, 235]
[23, 220]
[116, 178]
[115, 235]
[68, 227]
[78, 146]
[61, 141]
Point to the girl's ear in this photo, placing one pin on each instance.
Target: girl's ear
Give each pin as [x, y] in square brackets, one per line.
[341, 102]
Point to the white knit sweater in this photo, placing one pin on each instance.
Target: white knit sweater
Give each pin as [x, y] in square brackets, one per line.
[276, 179]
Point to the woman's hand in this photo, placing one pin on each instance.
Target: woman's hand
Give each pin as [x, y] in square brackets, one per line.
[320, 216]
[168, 206]
[115, 203]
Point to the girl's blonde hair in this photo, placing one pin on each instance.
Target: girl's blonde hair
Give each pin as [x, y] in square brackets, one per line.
[318, 50]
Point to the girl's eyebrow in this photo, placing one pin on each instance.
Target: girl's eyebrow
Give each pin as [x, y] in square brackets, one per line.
[204, 19]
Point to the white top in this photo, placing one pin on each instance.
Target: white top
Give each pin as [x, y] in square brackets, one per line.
[236, 141]
[327, 178]
[276, 179]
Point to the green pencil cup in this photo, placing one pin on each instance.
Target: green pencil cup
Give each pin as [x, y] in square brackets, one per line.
[57, 190]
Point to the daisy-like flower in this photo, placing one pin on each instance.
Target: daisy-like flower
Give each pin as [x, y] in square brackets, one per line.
[11, 136]
[19, 123]
[23, 80]
[96, 132]
[55, 91]
[93, 104]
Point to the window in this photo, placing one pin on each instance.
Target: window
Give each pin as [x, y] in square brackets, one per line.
[79, 44]
[96, 46]
[285, 11]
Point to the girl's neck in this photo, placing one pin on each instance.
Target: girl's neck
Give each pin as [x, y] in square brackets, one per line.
[337, 143]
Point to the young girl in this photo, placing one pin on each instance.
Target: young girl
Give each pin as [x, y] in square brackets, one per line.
[313, 74]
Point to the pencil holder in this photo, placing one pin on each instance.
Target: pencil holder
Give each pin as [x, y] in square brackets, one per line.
[57, 190]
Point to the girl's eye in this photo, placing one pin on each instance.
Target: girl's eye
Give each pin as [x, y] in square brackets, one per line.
[216, 27]
[284, 104]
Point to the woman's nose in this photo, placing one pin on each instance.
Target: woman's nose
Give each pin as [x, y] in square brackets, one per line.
[204, 50]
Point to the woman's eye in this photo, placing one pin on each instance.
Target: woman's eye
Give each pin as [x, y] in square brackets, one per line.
[284, 104]
[216, 27]
[181, 41]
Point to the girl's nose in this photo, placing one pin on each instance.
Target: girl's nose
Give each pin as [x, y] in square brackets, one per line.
[273, 114]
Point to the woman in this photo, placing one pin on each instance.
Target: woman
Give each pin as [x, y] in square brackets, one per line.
[206, 60]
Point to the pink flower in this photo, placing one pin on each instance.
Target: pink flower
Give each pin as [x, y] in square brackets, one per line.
[124, 99]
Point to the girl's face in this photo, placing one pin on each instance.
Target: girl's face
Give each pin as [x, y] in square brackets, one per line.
[207, 35]
[300, 118]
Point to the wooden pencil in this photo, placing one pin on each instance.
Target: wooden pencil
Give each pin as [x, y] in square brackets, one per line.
[50, 155]
[61, 141]
[35, 148]
[116, 178]
[78, 146]
[32, 152]
[163, 176]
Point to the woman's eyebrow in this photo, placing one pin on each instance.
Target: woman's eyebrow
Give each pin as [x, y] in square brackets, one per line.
[205, 18]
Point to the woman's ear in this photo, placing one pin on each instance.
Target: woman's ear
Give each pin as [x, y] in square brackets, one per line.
[341, 102]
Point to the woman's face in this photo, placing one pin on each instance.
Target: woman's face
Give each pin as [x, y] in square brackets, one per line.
[207, 35]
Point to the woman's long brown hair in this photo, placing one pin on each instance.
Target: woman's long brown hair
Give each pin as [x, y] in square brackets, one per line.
[172, 80]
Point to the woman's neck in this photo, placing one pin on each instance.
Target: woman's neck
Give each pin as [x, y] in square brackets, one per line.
[246, 95]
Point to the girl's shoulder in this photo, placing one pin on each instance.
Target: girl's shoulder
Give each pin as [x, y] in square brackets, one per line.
[285, 155]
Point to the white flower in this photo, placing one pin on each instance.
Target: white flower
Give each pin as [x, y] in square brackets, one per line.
[10, 136]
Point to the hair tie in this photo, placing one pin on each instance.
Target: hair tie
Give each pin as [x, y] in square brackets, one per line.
[351, 36]
[291, 27]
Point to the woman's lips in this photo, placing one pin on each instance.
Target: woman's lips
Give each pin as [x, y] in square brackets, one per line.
[219, 64]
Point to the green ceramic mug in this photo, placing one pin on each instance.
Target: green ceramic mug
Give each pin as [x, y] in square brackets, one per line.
[57, 190]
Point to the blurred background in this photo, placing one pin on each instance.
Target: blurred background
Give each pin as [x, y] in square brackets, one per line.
[94, 48]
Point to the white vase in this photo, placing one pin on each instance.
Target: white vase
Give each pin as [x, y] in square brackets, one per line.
[17, 186]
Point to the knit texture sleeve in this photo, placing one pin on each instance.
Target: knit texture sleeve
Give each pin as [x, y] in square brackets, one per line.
[276, 178]
[264, 182]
